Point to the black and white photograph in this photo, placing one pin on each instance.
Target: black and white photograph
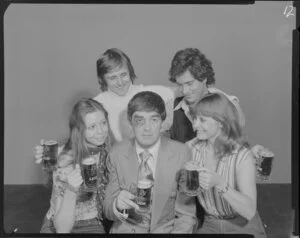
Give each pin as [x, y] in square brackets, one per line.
[150, 118]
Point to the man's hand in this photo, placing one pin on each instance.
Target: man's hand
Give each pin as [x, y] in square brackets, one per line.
[125, 201]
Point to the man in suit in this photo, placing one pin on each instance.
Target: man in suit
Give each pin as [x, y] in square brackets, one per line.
[170, 211]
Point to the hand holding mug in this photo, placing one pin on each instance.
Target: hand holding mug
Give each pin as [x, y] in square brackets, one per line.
[189, 179]
[39, 152]
[74, 178]
[208, 179]
[125, 201]
[264, 163]
[47, 152]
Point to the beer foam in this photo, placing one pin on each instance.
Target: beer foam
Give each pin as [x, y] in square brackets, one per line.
[50, 142]
[144, 184]
[89, 161]
[191, 166]
[267, 153]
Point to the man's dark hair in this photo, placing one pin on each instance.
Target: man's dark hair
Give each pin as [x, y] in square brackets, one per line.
[146, 102]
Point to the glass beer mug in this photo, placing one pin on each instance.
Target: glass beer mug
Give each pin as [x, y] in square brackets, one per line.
[264, 164]
[190, 182]
[89, 174]
[50, 154]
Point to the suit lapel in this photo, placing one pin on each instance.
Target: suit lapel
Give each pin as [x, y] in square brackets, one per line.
[163, 181]
[132, 165]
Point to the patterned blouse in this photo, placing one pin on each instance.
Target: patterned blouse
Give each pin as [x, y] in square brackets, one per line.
[88, 205]
[213, 203]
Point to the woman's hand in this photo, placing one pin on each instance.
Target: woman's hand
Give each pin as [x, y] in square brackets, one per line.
[208, 179]
[74, 178]
[38, 152]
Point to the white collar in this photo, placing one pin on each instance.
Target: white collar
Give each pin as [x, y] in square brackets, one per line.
[182, 104]
[153, 150]
[118, 96]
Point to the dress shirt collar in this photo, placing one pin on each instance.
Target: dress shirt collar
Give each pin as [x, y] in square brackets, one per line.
[153, 150]
[182, 104]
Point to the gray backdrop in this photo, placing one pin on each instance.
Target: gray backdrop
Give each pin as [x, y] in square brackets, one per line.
[50, 62]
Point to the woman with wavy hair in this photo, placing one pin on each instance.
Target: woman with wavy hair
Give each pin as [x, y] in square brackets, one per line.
[72, 208]
[227, 173]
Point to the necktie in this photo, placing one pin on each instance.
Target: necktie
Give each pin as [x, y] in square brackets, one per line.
[145, 156]
[146, 172]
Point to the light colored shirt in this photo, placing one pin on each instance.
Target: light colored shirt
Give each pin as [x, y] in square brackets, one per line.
[116, 106]
[235, 101]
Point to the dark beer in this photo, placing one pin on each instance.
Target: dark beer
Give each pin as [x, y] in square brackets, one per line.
[89, 171]
[143, 196]
[50, 153]
[192, 182]
[192, 179]
[266, 163]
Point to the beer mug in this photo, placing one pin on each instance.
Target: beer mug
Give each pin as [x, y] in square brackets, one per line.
[264, 164]
[143, 195]
[50, 154]
[89, 174]
[134, 217]
[191, 185]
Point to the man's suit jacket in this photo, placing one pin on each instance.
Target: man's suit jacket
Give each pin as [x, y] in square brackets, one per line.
[171, 211]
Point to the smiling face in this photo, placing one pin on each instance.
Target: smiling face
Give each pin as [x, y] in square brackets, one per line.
[96, 128]
[118, 80]
[146, 127]
[192, 89]
[207, 128]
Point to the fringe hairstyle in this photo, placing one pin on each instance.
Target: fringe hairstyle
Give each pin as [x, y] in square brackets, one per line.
[109, 60]
[219, 107]
[76, 143]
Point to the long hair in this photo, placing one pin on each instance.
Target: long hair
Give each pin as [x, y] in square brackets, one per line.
[218, 107]
[76, 143]
[109, 60]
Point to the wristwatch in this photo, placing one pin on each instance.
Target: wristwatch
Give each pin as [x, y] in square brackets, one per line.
[223, 188]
